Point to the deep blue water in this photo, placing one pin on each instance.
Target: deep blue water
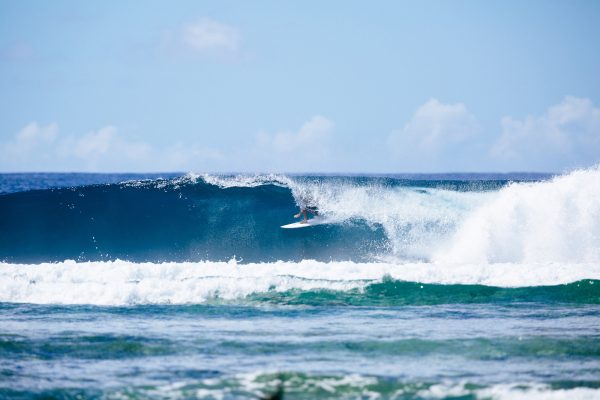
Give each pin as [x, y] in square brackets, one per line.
[185, 286]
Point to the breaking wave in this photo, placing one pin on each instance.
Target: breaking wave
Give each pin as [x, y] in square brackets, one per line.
[370, 219]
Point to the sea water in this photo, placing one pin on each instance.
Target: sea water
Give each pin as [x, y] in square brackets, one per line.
[184, 286]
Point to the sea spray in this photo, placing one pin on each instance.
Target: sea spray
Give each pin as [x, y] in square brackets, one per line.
[557, 221]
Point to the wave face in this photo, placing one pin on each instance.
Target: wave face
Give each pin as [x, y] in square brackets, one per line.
[217, 218]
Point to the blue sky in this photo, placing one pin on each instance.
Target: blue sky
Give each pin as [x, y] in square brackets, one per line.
[313, 86]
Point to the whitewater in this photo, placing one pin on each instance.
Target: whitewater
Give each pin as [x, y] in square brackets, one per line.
[185, 286]
[125, 283]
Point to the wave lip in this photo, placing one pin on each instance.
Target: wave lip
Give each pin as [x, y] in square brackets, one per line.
[242, 181]
[306, 282]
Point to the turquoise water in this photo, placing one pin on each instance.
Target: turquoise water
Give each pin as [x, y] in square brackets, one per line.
[469, 287]
[425, 351]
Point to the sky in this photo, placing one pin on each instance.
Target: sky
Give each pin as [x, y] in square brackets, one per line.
[311, 86]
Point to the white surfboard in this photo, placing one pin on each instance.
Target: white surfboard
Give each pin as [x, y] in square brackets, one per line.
[311, 222]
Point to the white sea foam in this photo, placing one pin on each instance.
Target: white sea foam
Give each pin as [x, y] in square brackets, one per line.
[261, 384]
[121, 282]
[537, 392]
[555, 221]
[510, 391]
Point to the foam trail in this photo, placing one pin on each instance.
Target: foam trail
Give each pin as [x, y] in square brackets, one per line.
[122, 282]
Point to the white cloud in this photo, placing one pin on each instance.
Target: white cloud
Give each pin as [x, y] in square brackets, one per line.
[32, 139]
[203, 39]
[95, 143]
[434, 139]
[31, 136]
[181, 156]
[313, 132]
[40, 148]
[311, 143]
[206, 35]
[103, 143]
[567, 135]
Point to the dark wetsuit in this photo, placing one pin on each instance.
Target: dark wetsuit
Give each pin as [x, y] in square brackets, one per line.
[312, 210]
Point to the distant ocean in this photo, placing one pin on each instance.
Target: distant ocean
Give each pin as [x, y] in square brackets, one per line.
[166, 286]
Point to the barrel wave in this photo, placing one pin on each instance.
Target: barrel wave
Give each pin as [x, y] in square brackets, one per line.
[172, 220]
[370, 219]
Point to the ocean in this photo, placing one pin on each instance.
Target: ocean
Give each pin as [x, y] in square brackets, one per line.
[418, 286]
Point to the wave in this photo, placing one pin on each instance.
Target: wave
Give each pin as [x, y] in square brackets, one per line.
[385, 219]
[308, 282]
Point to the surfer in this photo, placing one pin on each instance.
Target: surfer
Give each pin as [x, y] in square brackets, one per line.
[304, 210]
[306, 202]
